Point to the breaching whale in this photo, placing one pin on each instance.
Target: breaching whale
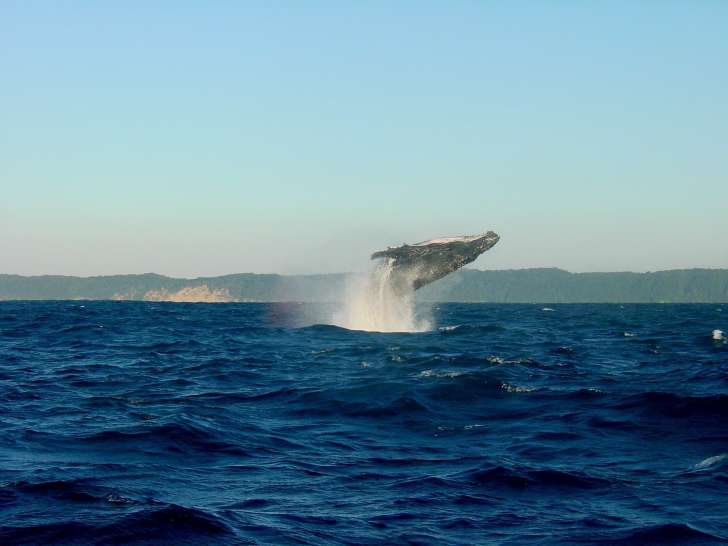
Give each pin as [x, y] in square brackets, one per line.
[422, 263]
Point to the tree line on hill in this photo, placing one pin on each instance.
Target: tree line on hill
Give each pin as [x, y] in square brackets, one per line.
[505, 286]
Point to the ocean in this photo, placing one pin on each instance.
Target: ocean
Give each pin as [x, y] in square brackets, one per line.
[247, 423]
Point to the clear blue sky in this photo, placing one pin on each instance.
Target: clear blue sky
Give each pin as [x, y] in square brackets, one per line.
[200, 138]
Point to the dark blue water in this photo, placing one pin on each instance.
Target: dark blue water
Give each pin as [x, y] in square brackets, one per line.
[127, 423]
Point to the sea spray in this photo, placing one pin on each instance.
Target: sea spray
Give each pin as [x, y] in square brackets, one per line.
[383, 301]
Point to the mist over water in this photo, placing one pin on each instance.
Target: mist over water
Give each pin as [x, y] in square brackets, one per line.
[382, 302]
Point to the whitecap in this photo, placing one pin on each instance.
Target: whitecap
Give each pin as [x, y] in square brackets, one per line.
[547, 309]
[515, 388]
[711, 461]
[433, 373]
[718, 335]
[498, 360]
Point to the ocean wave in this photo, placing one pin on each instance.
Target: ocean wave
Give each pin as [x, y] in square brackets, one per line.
[465, 388]
[203, 424]
[171, 524]
[521, 478]
[179, 437]
[470, 329]
[667, 533]
[70, 533]
[675, 405]
[329, 329]
[77, 491]
[226, 398]
[396, 408]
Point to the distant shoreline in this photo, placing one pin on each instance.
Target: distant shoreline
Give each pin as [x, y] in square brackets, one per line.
[539, 285]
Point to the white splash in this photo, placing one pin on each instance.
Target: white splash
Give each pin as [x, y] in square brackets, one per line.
[381, 303]
[711, 461]
[718, 335]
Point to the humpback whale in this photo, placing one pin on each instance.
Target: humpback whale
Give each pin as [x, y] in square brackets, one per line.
[413, 266]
